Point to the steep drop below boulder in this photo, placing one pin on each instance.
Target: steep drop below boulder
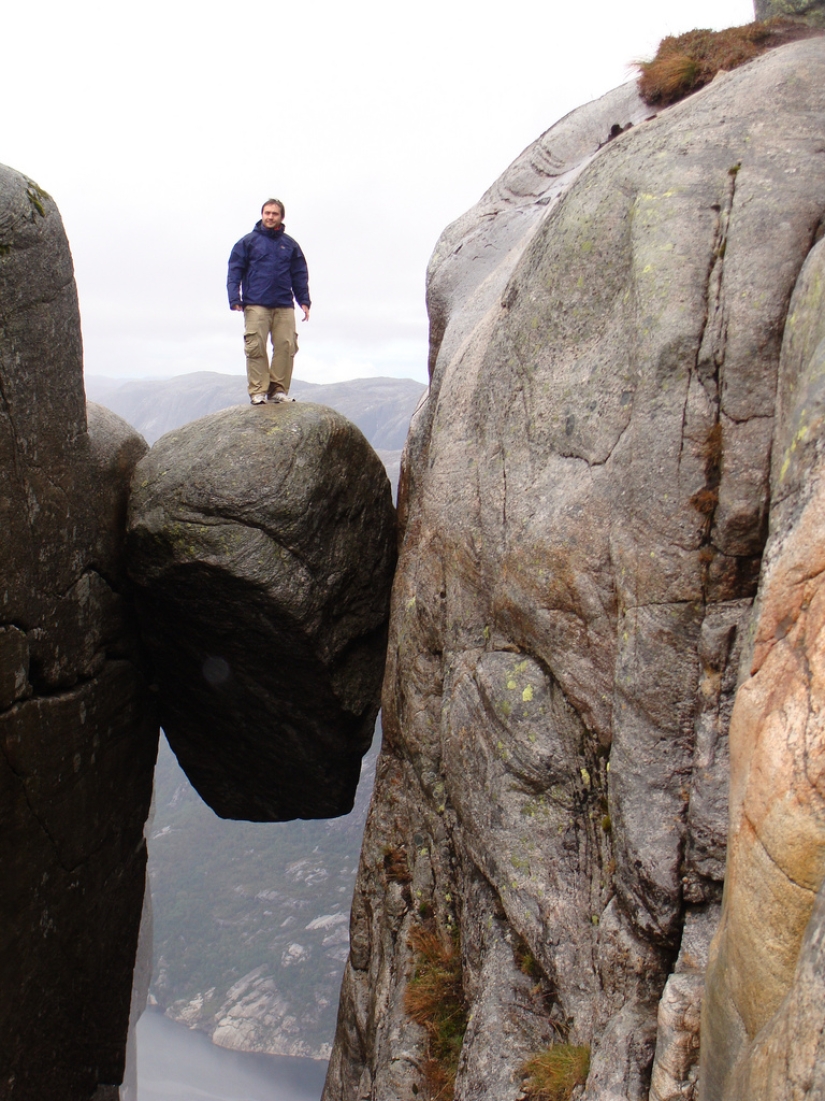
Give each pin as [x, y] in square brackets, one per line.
[262, 547]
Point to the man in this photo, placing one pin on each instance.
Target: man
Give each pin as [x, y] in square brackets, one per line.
[267, 274]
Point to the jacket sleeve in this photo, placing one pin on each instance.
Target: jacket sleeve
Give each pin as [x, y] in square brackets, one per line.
[299, 274]
[237, 270]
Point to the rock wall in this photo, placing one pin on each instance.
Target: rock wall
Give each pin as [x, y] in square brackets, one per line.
[584, 506]
[810, 11]
[763, 1020]
[78, 732]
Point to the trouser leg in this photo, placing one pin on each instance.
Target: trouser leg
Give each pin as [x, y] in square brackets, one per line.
[284, 347]
[257, 322]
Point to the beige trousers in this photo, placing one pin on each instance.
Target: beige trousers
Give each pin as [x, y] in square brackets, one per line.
[278, 324]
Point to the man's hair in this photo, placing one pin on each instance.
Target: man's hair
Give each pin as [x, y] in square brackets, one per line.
[275, 202]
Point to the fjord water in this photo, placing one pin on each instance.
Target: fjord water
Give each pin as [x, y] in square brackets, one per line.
[176, 1064]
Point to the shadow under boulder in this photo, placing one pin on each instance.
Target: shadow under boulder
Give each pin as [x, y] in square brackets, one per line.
[261, 542]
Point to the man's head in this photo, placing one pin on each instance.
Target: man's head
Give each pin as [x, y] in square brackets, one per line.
[272, 213]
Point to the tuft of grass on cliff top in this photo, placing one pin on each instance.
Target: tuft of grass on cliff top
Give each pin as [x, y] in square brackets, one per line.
[687, 62]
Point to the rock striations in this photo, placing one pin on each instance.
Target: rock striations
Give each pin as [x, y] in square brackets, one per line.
[262, 546]
[585, 502]
[78, 734]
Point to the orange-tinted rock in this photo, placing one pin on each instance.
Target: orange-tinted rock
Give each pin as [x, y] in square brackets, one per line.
[776, 856]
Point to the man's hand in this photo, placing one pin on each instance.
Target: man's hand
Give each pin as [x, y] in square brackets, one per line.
[306, 313]
[239, 308]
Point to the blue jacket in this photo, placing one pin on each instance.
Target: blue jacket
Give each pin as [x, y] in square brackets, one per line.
[268, 268]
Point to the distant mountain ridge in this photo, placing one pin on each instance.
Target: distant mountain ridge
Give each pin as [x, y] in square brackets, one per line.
[381, 407]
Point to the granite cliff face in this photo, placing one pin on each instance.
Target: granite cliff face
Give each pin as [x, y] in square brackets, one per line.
[762, 1030]
[585, 504]
[78, 734]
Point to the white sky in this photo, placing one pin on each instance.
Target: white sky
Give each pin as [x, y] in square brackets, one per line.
[161, 127]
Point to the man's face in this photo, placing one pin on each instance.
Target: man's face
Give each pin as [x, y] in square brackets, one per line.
[271, 216]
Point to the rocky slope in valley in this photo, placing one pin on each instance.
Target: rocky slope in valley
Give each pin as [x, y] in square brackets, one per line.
[250, 921]
[380, 407]
[78, 729]
[584, 505]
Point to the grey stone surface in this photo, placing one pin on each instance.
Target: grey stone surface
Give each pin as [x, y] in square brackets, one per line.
[77, 730]
[676, 1060]
[811, 11]
[584, 506]
[262, 548]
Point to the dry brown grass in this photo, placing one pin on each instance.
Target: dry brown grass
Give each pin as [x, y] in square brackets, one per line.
[705, 501]
[396, 865]
[434, 998]
[554, 1073]
[687, 62]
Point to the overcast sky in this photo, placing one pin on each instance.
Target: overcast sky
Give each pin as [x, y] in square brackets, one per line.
[161, 127]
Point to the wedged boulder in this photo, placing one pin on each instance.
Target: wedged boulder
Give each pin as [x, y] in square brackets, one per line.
[584, 502]
[262, 550]
[78, 730]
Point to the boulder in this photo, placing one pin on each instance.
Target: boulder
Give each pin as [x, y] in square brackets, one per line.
[584, 506]
[262, 549]
[78, 730]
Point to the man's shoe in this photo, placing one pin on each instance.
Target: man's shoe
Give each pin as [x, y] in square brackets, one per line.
[279, 397]
[258, 399]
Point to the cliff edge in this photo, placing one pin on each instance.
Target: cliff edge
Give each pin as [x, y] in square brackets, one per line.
[78, 729]
[585, 504]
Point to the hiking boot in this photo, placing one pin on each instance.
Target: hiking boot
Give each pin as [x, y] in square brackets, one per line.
[258, 399]
[280, 396]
